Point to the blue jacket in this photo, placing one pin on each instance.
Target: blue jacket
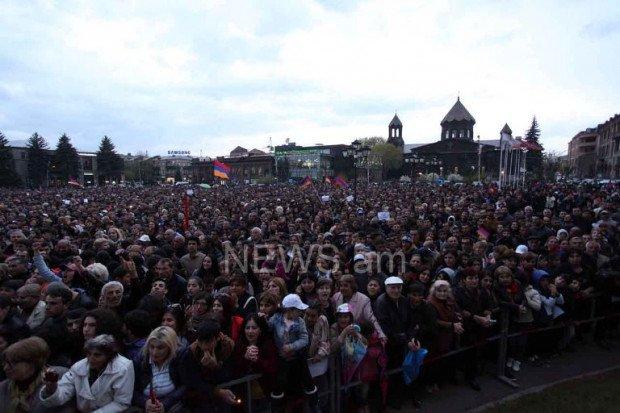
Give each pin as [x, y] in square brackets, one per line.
[296, 337]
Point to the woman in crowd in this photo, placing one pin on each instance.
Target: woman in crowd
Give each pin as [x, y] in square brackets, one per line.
[103, 380]
[23, 363]
[157, 379]
[223, 311]
[174, 317]
[277, 286]
[324, 290]
[255, 353]
[359, 304]
[268, 304]
[449, 326]
[306, 288]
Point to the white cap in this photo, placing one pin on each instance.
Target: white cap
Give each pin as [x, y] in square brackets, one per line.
[359, 257]
[521, 249]
[343, 308]
[393, 281]
[293, 301]
[144, 238]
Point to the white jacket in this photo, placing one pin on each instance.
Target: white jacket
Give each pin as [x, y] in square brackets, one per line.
[110, 393]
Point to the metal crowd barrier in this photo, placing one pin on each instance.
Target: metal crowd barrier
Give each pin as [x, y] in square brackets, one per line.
[334, 372]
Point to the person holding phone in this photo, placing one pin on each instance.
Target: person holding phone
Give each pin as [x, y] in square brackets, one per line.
[103, 380]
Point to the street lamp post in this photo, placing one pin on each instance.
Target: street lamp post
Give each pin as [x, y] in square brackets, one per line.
[357, 152]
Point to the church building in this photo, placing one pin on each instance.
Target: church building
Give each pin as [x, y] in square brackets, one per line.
[456, 151]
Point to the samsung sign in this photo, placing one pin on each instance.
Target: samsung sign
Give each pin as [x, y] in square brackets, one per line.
[178, 153]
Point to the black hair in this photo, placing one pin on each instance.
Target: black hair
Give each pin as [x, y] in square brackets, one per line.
[208, 330]
[138, 322]
[57, 289]
[417, 287]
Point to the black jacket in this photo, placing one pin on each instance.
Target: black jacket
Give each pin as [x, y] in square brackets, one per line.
[423, 323]
[395, 320]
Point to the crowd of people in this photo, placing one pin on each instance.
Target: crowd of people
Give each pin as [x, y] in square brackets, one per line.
[113, 299]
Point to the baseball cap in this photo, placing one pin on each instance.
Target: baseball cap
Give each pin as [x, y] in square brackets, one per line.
[521, 249]
[343, 308]
[406, 238]
[293, 301]
[393, 281]
[358, 257]
[144, 238]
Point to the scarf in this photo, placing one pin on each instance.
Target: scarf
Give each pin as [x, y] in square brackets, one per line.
[19, 398]
[445, 308]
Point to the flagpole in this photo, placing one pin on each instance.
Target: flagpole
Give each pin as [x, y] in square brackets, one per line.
[512, 167]
[501, 148]
[524, 166]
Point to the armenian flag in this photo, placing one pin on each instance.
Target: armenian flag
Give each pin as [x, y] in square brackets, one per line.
[306, 182]
[340, 182]
[221, 170]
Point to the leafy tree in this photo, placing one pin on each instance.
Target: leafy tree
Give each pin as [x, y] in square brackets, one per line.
[389, 157]
[38, 160]
[66, 162]
[142, 170]
[371, 141]
[8, 176]
[109, 163]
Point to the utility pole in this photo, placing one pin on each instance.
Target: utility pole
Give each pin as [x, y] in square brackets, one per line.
[479, 156]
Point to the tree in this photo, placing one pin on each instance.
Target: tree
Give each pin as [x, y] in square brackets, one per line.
[533, 133]
[66, 162]
[8, 176]
[371, 141]
[38, 160]
[109, 163]
[143, 170]
[534, 159]
[389, 157]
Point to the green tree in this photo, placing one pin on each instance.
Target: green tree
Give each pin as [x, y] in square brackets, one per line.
[371, 141]
[143, 170]
[390, 158]
[38, 160]
[8, 176]
[534, 158]
[533, 133]
[66, 162]
[109, 164]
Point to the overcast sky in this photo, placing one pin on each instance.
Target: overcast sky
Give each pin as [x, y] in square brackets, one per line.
[210, 75]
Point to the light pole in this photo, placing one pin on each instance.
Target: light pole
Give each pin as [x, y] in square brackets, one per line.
[357, 151]
[413, 160]
[479, 156]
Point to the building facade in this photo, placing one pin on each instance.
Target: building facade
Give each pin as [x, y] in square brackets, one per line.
[87, 172]
[250, 167]
[607, 148]
[595, 152]
[582, 153]
[317, 162]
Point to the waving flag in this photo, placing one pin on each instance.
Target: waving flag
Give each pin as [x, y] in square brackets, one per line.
[340, 182]
[221, 170]
[306, 182]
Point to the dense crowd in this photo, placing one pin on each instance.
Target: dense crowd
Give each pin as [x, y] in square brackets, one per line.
[111, 300]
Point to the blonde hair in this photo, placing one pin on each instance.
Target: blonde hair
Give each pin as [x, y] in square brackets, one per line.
[167, 336]
[437, 284]
[282, 291]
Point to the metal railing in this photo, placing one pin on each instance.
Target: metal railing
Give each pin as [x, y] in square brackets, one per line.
[336, 389]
